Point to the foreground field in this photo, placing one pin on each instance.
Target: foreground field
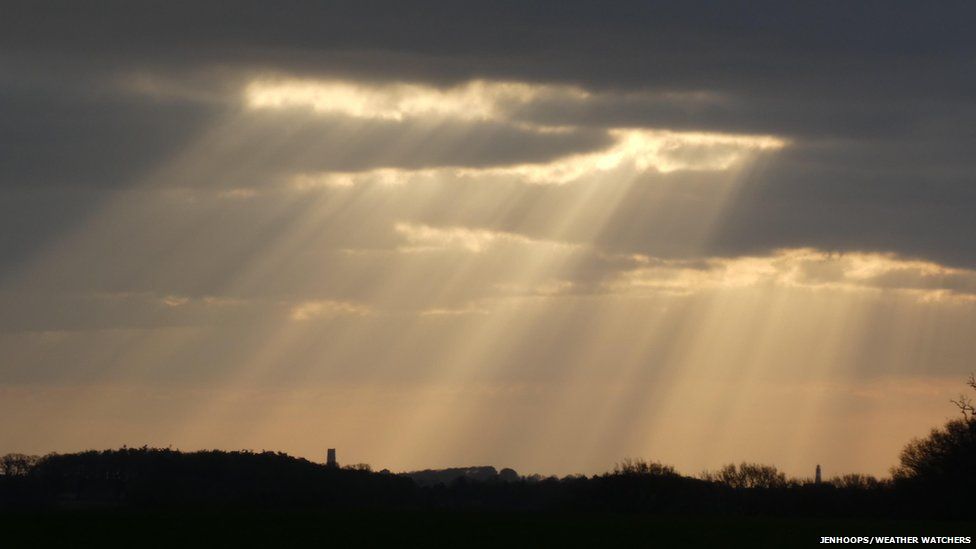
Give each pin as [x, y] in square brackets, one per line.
[215, 528]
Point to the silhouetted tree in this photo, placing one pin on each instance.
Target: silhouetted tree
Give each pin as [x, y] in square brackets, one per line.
[432, 477]
[948, 455]
[17, 464]
[965, 404]
[938, 472]
[642, 467]
[748, 475]
[856, 481]
[508, 475]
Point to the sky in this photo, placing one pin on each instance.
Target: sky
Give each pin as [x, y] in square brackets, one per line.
[539, 235]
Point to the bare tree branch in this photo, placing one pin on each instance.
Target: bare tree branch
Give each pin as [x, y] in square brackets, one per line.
[965, 404]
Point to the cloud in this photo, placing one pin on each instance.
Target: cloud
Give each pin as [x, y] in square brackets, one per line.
[875, 110]
[133, 141]
[805, 269]
[70, 139]
[478, 100]
[425, 238]
[310, 310]
[92, 312]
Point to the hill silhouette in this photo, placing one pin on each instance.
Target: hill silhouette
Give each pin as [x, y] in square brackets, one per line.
[160, 478]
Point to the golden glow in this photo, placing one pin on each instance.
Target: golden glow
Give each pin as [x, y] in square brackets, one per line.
[634, 152]
[424, 237]
[308, 310]
[807, 268]
[479, 99]
[638, 151]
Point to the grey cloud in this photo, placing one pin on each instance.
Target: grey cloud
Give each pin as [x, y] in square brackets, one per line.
[57, 138]
[337, 243]
[803, 116]
[691, 44]
[876, 97]
[54, 312]
[275, 144]
[914, 200]
[66, 142]
[30, 219]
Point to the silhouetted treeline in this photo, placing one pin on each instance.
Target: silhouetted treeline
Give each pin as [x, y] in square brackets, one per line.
[433, 477]
[148, 477]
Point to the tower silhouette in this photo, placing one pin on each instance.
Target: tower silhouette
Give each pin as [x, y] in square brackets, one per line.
[330, 460]
[817, 478]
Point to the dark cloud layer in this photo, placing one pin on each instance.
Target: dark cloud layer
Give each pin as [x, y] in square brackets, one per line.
[703, 45]
[876, 98]
[49, 137]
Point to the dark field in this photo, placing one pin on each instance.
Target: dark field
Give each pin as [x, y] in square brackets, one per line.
[214, 528]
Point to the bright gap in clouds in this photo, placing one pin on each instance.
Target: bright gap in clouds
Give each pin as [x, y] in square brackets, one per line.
[395, 101]
[633, 152]
[805, 268]
[637, 149]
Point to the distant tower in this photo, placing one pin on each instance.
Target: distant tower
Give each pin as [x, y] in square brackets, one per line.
[330, 461]
[817, 479]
